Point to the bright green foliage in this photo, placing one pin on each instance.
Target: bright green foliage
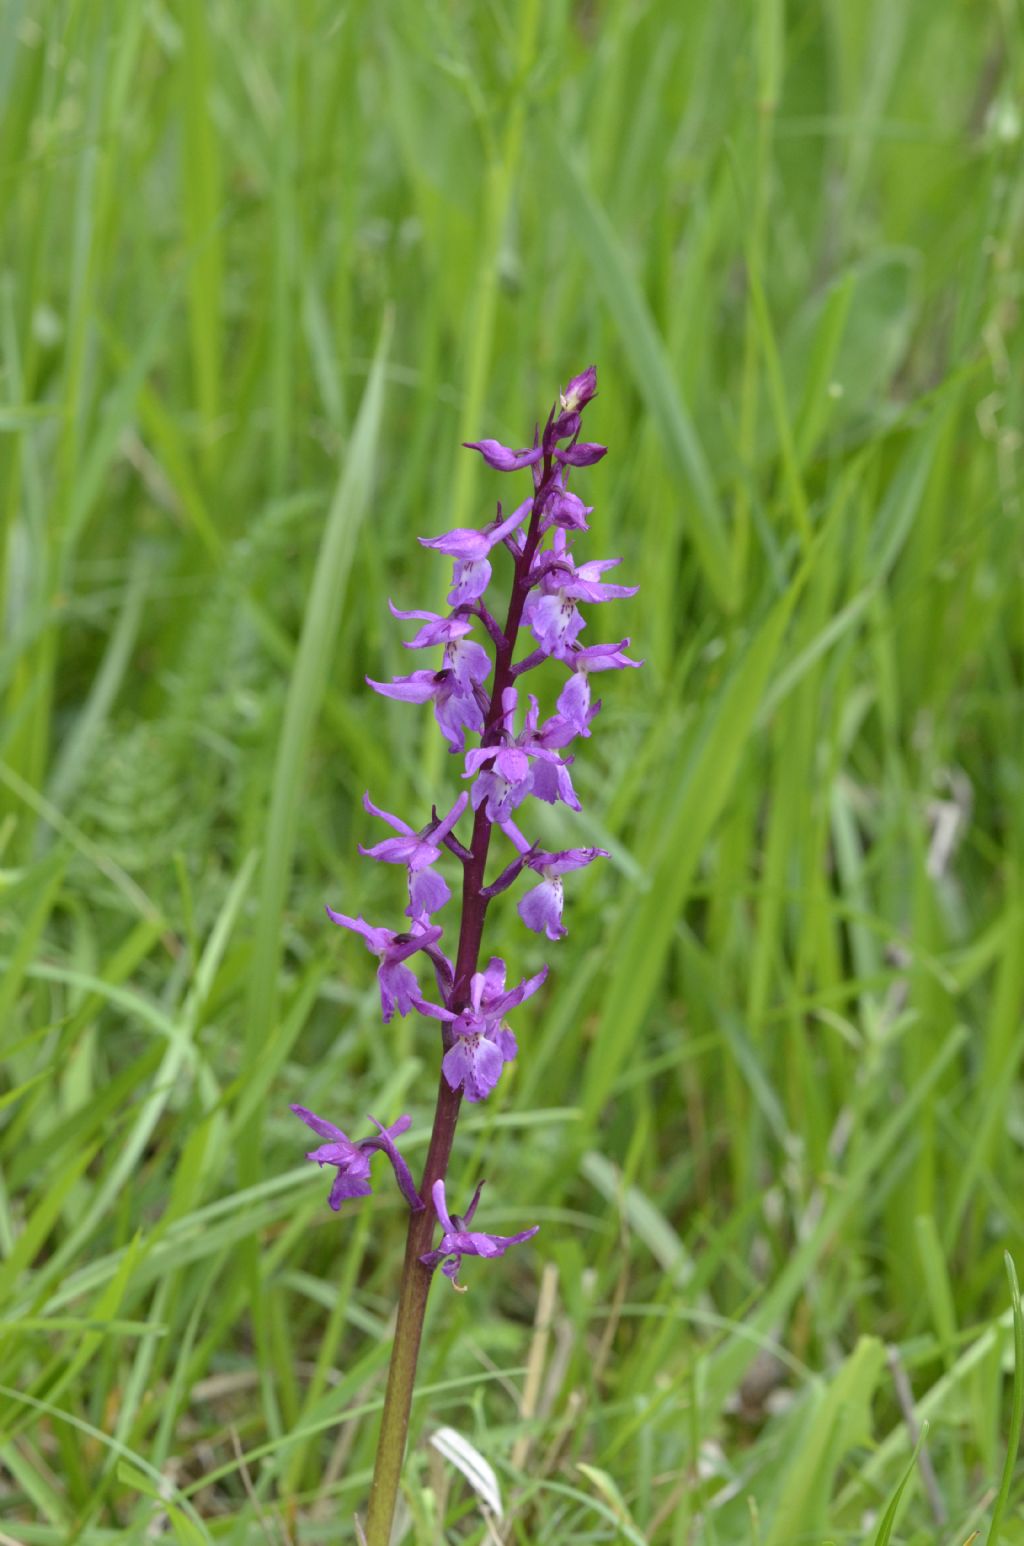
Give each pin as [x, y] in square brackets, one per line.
[262, 267]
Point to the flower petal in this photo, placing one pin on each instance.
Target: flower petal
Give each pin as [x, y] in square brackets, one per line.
[456, 712]
[470, 578]
[522, 991]
[568, 511]
[428, 893]
[468, 662]
[401, 1169]
[494, 974]
[398, 988]
[464, 542]
[437, 1194]
[392, 821]
[541, 909]
[446, 823]
[419, 687]
[550, 781]
[402, 850]
[566, 859]
[584, 454]
[345, 1186]
[435, 1011]
[474, 1201]
[320, 1125]
[603, 657]
[515, 837]
[503, 458]
[334, 1153]
[377, 940]
[473, 1063]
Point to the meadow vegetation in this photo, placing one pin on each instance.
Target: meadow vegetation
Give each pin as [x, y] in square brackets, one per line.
[262, 268]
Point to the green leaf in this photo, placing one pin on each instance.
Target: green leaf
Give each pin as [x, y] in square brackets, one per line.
[1016, 1411]
[837, 1419]
[691, 804]
[652, 373]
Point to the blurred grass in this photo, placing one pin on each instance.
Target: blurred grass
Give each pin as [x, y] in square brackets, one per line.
[260, 274]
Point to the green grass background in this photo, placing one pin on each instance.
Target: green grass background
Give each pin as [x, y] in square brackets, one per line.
[264, 265]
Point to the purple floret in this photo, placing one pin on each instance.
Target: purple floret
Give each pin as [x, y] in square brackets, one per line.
[428, 891]
[468, 662]
[580, 391]
[457, 1241]
[541, 908]
[470, 548]
[398, 986]
[480, 1045]
[551, 612]
[457, 708]
[352, 1160]
[519, 766]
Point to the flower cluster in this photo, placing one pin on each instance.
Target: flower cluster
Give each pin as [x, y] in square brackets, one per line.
[520, 755]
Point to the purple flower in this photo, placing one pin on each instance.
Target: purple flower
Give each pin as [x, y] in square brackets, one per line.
[518, 767]
[415, 849]
[398, 986]
[541, 908]
[352, 1160]
[574, 711]
[457, 1241]
[468, 661]
[470, 547]
[481, 1045]
[551, 612]
[428, 891]
[503, 458]
[455, 709]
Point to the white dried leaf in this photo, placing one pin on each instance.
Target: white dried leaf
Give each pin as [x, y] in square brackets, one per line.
[465, 1457]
